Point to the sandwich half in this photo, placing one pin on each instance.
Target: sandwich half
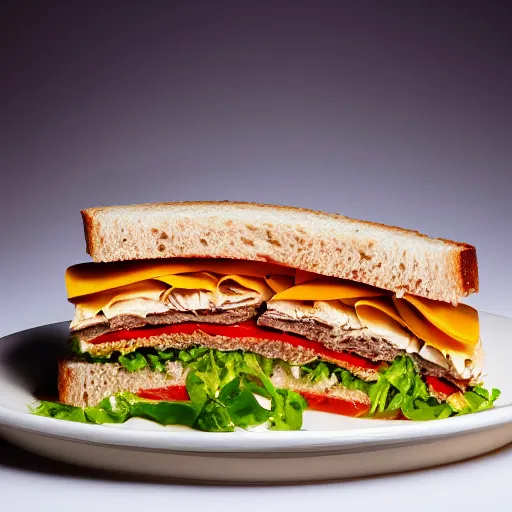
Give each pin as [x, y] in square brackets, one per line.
[217, 315]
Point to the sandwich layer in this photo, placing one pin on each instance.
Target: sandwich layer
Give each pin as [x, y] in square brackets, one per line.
[246, 337]
[83, 384]
[351, 354]
[372, 326]
[128, 321]
[390, 258]
[214, 390]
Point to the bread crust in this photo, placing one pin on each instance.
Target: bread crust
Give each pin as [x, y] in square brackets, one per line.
[390, 257]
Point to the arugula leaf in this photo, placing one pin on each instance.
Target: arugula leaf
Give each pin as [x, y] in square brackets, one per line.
[60, 411]
[286, 405]
[214, 418]
[401, 388]
[351, 381]
[221, 386]
[133, 361]
[379, 394]
[166, 413]
[197, 389]
[111, 410]
[319, 373]
[215, 383]
[120, 408]
[245, 411]
[475, 400]
[155, 363]
[192, 354]
[267, 365]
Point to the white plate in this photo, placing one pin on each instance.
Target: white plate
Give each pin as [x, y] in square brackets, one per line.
[328, 446]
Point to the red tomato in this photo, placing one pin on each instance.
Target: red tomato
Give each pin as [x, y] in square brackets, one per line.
[441, 386]
[247, 329]
[168, 394]
[335, 405]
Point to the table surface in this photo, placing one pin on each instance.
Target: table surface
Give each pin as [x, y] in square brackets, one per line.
[28, 481]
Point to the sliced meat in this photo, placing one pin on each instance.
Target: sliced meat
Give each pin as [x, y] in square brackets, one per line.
[357, 341]
[428, 368]
[123, 322]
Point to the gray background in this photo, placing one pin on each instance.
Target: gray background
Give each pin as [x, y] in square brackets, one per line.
[395, 112]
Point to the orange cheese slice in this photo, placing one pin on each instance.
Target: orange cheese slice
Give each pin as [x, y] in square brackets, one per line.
[279, 283]
[459, 322]
[428, 332]
[351, 302]
[89, 278]
[91, 305]
[192, 281]
[367, 310]
[328, 290]
[303, 276]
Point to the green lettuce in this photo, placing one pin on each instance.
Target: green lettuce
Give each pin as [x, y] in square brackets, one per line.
[220, 386]
[133, 362]
[142, 357]
[400, 388]
[121, 408]
[287, 406]
[476, 400]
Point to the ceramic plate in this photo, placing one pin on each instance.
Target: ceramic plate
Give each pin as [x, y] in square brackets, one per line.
[328, 446]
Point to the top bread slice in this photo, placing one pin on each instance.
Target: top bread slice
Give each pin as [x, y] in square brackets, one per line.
[388, 257]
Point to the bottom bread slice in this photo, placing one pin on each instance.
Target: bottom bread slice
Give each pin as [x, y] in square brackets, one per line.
[84, 384]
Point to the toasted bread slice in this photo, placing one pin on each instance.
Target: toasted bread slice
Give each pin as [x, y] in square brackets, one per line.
[388, 257]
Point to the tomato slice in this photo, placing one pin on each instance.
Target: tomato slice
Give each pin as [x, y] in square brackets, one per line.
[248, 329]
[441, 386]
[168, 394]
[316, 401]
[335, 405]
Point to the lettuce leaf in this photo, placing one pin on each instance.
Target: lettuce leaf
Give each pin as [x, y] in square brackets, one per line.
[133, 361]
[155, 363]
[401, 388]
[121, 408]
[318, 371]
[220, 386]
[60, 411]
[475, 400]
[286, 405]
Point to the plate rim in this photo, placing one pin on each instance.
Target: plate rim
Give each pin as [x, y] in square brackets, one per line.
[384, 435]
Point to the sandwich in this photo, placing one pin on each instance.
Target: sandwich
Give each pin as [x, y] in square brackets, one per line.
[225, 315]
